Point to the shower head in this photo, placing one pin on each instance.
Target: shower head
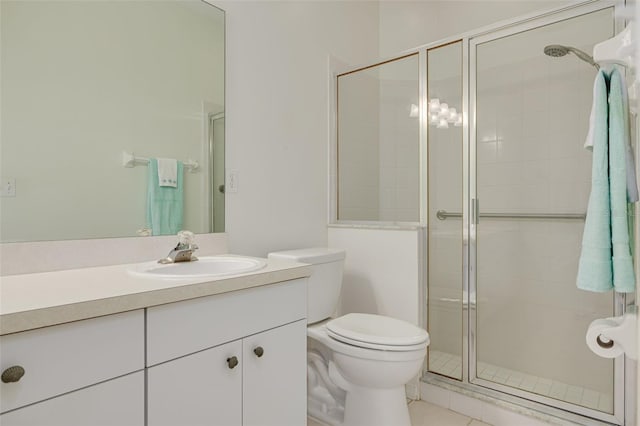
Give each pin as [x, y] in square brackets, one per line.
[558, 50]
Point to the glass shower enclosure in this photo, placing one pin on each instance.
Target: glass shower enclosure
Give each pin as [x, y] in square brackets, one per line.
[487, 130]
[507, 196]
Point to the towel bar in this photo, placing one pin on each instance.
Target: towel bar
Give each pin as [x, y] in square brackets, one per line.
[131, 160]
[443, 214]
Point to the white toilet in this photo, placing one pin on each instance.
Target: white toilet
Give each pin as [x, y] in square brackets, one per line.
[358, 364]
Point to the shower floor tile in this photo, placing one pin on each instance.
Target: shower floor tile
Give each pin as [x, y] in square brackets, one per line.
[451, 365]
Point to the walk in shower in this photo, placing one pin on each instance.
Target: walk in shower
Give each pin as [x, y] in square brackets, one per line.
[504, 186]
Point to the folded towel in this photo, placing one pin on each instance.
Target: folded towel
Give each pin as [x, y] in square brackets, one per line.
[167, 172]
[623, 275]
[595, 269]
[164, 203]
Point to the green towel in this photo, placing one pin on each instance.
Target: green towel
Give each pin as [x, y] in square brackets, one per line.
[623, 276]
[164, 203]
[595, 269]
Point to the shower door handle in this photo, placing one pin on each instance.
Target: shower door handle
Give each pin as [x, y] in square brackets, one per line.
[475, 211]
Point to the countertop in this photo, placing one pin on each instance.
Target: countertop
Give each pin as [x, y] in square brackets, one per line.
[37, 300]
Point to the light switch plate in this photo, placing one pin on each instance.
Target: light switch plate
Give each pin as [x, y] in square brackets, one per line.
[232, 182]
[8, 187]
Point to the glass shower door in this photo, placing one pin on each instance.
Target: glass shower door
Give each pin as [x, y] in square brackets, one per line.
[532, 180]
[445, 197]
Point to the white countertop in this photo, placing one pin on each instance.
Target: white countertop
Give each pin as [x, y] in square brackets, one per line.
[39, 300]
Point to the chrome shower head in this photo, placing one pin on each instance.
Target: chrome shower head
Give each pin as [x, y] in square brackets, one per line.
[555, 50]
[558, 50]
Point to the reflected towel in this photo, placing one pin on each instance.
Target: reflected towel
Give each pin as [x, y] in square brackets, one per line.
[164, 203]
[623, 276]
[595, 269]
[168, 172]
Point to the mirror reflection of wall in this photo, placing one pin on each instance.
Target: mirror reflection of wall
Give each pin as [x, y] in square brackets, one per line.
[84, 81]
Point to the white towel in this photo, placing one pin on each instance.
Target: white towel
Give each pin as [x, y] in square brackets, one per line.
[168, 172]
[588, 143]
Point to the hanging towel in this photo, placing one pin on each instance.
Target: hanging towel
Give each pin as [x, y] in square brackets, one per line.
[632, 185]
[595, 270]
[623, 276]
[164, 203]
[168, 172]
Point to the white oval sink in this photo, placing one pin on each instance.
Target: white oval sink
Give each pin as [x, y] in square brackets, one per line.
[204, 267]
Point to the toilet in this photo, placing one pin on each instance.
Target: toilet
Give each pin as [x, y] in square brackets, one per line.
[357, 364]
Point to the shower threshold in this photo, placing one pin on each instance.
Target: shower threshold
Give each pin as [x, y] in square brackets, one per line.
[538, 411]
[451, 365]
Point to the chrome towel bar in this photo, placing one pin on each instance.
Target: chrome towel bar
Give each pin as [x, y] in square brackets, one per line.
[443, 214]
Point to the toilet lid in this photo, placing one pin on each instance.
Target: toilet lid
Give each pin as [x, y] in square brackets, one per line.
[377, 332]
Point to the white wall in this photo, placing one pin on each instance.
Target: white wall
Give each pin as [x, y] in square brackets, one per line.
[407, 24]
[277, 121]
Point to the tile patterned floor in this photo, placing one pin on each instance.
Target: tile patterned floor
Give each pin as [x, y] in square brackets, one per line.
[451, 365]
[425, 414]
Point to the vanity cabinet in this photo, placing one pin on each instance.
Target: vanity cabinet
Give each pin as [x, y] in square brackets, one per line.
[237, 358]
[61, 374]
[234, 358]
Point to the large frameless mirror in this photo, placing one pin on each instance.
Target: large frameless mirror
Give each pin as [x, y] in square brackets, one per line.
[85, 81]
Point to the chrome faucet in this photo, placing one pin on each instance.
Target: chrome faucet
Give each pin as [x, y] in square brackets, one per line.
[183, 251]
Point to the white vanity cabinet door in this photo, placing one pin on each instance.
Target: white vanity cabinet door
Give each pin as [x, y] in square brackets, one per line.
[70, 356]
[117, 402]
[274, 384]
[198, 389]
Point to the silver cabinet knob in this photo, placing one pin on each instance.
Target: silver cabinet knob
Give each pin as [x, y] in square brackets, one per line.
[258, 351]
[232, 362]
[12, 374]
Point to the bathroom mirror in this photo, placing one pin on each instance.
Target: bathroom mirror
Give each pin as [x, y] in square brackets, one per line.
[84, 82]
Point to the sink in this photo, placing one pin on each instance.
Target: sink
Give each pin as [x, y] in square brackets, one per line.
[204, 267]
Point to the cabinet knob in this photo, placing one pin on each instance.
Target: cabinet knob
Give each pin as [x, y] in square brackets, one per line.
[258, 351]
[12, 374]
[232, 362]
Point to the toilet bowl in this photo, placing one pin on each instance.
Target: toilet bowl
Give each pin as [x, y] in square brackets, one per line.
[358, 364]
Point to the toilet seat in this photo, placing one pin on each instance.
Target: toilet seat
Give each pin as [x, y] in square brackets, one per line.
[377, 332]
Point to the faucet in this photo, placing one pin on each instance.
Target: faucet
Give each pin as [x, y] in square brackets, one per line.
[183, 251]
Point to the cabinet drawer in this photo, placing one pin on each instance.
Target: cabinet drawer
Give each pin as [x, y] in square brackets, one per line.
[116, 402]
[181, 328]
[66, 357]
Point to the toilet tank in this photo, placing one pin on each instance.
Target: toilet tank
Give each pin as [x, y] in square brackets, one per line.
[325, 281]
